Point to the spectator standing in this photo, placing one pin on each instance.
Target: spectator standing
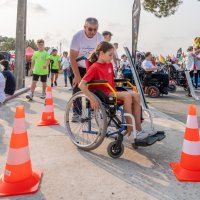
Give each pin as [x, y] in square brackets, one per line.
[197, 64]
[2, 86]
[39, 66]
[10, 85]
[65, 64]
[55, 66]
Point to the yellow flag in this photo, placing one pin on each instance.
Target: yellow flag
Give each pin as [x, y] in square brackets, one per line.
[162, 59]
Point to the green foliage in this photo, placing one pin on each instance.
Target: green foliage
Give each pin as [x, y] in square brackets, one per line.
[162, 8]
[8, 44]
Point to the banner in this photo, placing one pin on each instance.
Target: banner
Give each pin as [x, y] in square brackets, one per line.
[135, 26]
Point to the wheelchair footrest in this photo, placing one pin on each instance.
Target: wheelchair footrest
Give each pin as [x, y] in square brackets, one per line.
[161, 135]
[147, 141]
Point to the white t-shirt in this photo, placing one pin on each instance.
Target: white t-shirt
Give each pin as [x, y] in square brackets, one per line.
[2, 87]
[65, 62]
[197, 62]
[176, 67]
[84, 45]
[189, 61]
[124, 64]
[146, 64]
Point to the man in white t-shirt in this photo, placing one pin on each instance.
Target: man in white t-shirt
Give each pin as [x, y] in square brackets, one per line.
[83, 44]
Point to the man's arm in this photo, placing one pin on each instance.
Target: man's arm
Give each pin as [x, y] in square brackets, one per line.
[151, 69]
[74, 66]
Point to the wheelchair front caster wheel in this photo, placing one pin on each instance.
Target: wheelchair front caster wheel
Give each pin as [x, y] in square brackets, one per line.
[114, 150]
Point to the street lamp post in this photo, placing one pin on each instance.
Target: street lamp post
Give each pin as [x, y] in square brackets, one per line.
[20, 44]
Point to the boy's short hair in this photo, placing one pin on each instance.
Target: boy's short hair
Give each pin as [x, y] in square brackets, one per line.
[40, 41]
[107, 33]
[54, 50]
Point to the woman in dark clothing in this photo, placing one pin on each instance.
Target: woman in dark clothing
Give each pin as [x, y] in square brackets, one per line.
[10, 79]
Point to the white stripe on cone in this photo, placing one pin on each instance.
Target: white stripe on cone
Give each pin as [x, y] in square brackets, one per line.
[18, 156]
[191, 147]
[48, 108]
[19, 126]
[192, 122]
[48, 95]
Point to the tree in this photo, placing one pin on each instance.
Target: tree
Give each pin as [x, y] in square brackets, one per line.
[162, 8]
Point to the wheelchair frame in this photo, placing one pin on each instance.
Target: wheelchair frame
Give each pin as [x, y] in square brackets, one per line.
[115, 149]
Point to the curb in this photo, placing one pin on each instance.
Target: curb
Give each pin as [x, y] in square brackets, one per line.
[17, 93]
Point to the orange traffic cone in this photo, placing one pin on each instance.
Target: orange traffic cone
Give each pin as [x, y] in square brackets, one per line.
[18, 177]
[48, 112]
[189, 167]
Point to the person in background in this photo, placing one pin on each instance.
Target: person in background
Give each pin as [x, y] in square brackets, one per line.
[152, 71]
[9, 77]
[175, 63]
[39, 66]
[55, 66]
[197, 65]
[125, 68]
[2, 86]
[107, 37]
[65, 64]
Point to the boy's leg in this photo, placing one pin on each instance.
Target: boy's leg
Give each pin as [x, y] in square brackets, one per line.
[136, 109]
[65, 76]
[56, 78]
[52, 78]
[44, 85]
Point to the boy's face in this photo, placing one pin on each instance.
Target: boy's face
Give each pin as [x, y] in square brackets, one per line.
[108, 38]
[108, 56]
[54, 53]
[40, 45]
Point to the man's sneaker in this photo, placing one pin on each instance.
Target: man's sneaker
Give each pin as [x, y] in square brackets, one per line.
[51, 84]
[140, 135]
[29, 96]
[43, 95]
[55, 83]
[75, 118]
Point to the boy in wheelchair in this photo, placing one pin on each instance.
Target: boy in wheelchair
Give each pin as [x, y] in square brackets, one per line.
[102, 69]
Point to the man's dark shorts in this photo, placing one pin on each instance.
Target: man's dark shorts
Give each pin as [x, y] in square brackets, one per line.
[54, 71]
[43, 78]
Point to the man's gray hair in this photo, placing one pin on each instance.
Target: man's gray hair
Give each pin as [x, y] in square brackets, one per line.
[91, 20]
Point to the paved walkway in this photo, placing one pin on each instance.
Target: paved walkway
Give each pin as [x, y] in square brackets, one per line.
[69, 173]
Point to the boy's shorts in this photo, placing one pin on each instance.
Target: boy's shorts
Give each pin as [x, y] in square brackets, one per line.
[54, 71]
[43, 78]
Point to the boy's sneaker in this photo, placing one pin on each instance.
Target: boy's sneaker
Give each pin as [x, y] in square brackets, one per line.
[55, 83]
[29, 96]
[141, 135]
[75, 118]
[51, 84]
[43, 95]
[131, 138]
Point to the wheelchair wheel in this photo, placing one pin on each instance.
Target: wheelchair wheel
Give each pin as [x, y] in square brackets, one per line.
[153, 92]
[85, 127]
[114, 150]
[171, 88]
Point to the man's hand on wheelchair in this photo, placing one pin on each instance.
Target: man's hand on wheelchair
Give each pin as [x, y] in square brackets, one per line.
[76, 81]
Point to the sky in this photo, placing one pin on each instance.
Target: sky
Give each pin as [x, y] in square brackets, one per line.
[57, 21]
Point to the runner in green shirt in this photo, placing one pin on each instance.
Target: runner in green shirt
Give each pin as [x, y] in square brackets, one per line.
[39, 67]
[55, 66]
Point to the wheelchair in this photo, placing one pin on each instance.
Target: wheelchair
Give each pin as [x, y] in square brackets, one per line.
[177, 77]
[152, 86]
[93, 127]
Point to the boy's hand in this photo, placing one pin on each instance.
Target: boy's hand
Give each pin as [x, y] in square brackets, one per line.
[94, 104]
[76, 80]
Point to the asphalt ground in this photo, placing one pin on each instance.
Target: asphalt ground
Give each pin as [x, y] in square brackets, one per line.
[70, 173]
[176, 104]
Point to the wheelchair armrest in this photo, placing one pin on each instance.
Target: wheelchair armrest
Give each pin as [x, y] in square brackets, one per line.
[98, 81]
[121, 80]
